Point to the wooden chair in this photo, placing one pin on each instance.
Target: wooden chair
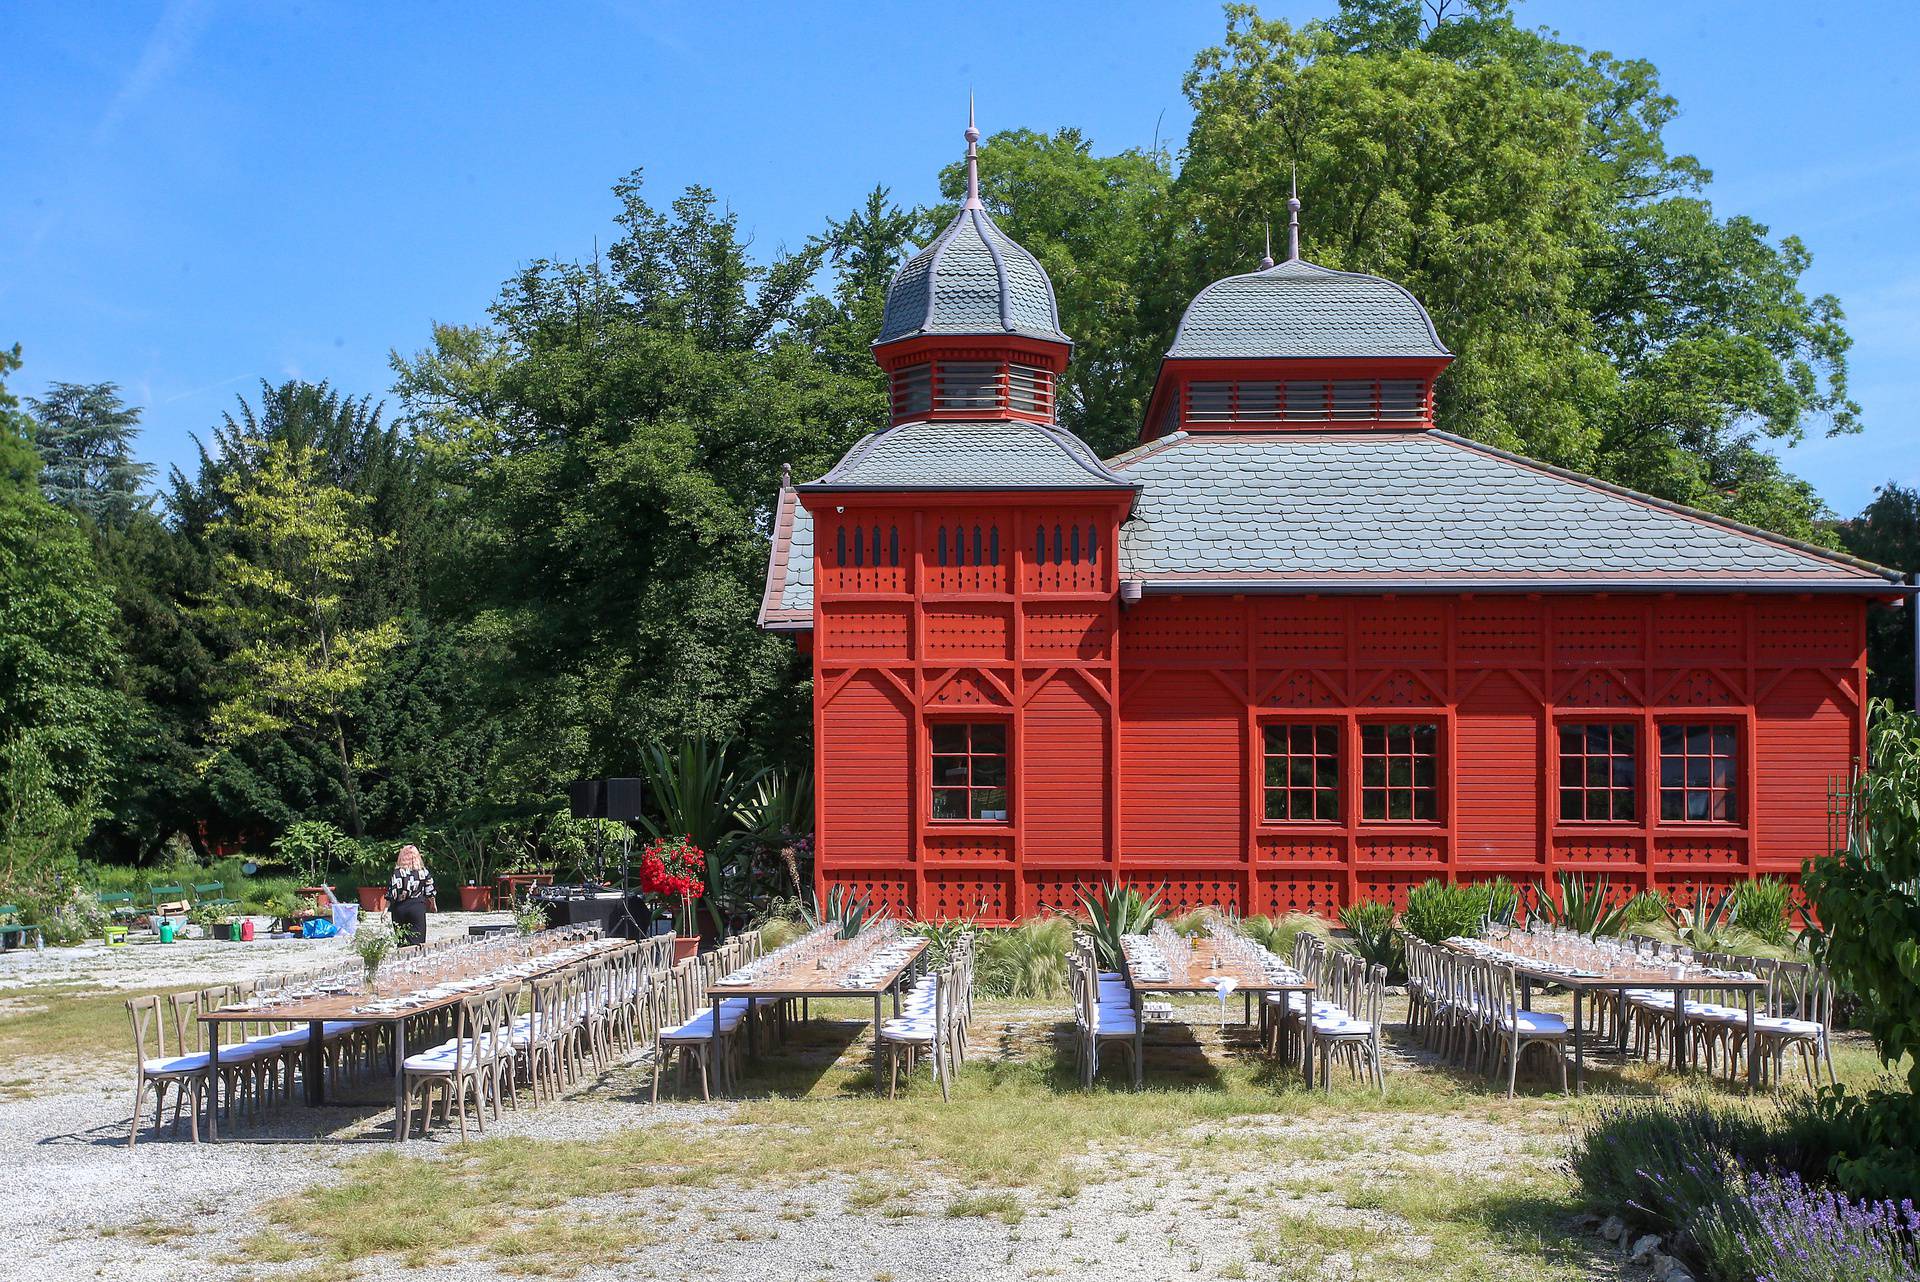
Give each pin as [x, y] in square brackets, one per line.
[1514, 1030]
[185, 1073]
[465, 1067]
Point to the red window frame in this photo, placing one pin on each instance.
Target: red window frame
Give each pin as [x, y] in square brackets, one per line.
[1407, 754]
[969, 762]
[1290, 750]
[1699, 772]
[1599, 771]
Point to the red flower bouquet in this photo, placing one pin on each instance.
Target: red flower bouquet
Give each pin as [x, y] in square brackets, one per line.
[672, 868]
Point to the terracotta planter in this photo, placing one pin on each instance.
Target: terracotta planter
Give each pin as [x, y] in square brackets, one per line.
[373, 899]
[685, 946]
[476, 899]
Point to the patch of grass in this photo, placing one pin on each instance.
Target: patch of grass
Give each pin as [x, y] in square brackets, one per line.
[62, 1021]
[1005, 1207]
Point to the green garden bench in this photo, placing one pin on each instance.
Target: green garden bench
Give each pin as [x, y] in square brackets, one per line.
[213, 895]
[14, 932]
[119, 904]
[159, 897]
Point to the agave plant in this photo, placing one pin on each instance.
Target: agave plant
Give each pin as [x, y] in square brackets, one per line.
[1706, 926]
[850, 913]
[1375, 939]
[1114, 911]
[1585, 907]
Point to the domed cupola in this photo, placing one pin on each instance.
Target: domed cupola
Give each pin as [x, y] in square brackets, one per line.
[1297, 346]
[971, 328]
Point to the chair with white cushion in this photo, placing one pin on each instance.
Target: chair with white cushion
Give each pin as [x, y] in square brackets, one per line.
[183, 1072]
[927, 1029]
[1514, 1029]
[457, 1070]
[1349, 1029]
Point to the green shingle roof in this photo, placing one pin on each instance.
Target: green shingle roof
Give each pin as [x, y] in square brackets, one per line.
[972, 279]
[955, 454]
[1296, 308]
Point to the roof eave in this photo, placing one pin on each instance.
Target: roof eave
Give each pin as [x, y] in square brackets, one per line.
[1165, 585]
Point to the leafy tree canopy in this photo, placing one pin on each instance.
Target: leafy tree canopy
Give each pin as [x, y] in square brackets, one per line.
[84, 434]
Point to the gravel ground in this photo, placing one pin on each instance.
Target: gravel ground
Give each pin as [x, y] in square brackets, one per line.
[81, 1206]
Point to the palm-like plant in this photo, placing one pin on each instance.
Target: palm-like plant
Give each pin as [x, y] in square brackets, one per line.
[778, 812]
[1707, 926]
[1585, 907]
[1375, 939]
[1114, 911]
[697, 791]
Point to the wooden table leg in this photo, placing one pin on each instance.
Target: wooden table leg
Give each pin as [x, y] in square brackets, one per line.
[1620, 1020]
[1753, 1055]
[213, 1081]
[399, 1075]
[315, 1068]
[1680, 1029]
[1579, 1048]
[878, 1086]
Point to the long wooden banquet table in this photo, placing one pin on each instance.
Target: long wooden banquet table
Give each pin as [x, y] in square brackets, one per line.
[1527, 955]
[317, 1012]
[805, 983]
[1206, 962]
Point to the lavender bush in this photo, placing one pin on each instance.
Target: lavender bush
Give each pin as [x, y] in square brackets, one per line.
[1776, 1229]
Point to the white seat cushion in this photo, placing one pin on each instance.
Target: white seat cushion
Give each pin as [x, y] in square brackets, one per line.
[1534, 1023]
[1117, 1021]
[174, 1064]
[1781, 1026]
[908, 1030]
[1341, 1025]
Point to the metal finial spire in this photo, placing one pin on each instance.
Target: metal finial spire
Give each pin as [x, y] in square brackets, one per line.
[973, 160]
[1266, 259]
[1293, 218]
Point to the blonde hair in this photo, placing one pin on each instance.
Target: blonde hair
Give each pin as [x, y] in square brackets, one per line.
[409, 857]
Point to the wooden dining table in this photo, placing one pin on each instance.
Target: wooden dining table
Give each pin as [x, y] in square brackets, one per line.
[1206, 961]
[319, 1011]
[1531, 967]
[805, 983]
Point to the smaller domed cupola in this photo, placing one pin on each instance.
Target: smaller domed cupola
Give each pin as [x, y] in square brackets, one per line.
[1297, 346]
[971, 328]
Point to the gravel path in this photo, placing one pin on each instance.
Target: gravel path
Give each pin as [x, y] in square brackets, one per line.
[1206, 1206]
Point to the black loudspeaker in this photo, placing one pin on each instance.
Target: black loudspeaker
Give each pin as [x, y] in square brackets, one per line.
[624, 798]
[588, 798]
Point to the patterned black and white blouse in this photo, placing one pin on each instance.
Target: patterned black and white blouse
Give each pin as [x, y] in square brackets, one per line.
[410, 883]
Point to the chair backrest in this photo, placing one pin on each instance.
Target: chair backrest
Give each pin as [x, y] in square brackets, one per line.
[106, 898]
[146, 1017]
[185, 1009]
[207, 889]
[1804, 991]
[165, 893]
[549, 1002]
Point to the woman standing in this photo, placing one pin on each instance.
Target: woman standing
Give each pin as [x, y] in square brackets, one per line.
[408, 891]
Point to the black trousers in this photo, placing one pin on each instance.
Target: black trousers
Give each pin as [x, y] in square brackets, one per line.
[409, 921]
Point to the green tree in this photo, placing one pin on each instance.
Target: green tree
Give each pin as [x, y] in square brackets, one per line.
[611, 444]
[1888, 533]
[59, 704]
[289, 551]
[84, 434]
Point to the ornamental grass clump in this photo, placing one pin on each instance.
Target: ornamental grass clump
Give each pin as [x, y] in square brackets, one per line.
[1774, 1228]
[1760, 908]
[1277, 934]
[1437, 912]
[1028, 960]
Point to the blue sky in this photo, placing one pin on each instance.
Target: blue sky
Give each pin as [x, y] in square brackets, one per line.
[196, 195]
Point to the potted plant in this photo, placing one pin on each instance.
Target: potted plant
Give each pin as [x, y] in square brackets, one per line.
[670, 870]
[372, 943]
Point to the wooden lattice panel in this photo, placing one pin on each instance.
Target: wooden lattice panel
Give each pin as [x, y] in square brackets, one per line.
[970, 848]
[1060, 891]
[1600, 852]
[1299, 893]
[1067, 632]
[1696, 688]
[1493, 631]
[978, 896]
[1066, 552]
[1401, 689]
[1818, 631]
[1390, 887]
[867, 631]
[965, 552]
[1302, 689]
[1703, 851]
[1684, 887]
[1196, 629]
[1612, 631]
[983, 632]
[1294, 631]
[1314, 850]
[1409, 849]
[1595, 688]
[1400, 630]
[1700, 631]
[865, 552]
[1184, 892]
[887, 890]
[967, 690]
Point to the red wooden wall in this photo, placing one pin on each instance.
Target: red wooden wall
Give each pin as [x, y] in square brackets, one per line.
[1140, 760]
